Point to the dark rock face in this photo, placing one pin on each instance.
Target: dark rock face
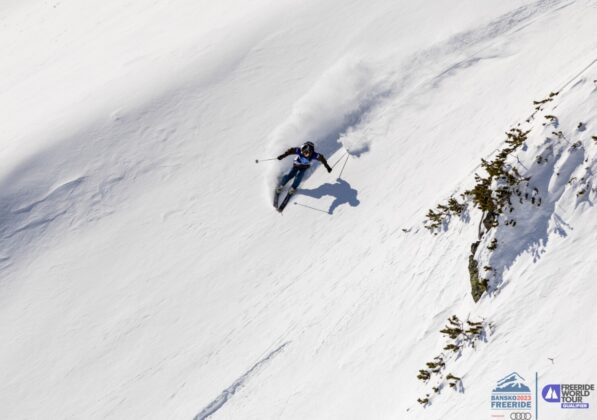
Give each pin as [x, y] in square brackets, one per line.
[489, 220]
[478, 286]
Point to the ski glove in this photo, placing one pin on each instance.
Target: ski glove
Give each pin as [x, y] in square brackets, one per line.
[281, 157]
[329, 169]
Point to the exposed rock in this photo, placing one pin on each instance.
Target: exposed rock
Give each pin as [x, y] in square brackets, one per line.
[478, 286]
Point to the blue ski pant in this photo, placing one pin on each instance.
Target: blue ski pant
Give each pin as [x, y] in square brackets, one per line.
[295, 173]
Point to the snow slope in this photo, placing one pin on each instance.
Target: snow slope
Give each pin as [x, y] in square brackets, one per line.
[144, 273]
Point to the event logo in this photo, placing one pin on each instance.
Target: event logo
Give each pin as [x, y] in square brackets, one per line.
[513, 394]
[568, 395]
[551, 393]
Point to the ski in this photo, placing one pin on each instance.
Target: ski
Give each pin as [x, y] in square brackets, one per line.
[276, 197]
[285, 202]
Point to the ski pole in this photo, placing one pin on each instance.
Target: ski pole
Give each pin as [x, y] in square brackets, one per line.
[264, 160]
[343, 166]
[341, 157]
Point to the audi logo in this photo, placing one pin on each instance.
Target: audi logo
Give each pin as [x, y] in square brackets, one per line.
[521, 416]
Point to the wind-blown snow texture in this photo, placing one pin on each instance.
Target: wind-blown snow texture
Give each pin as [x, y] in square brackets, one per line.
[144, 273]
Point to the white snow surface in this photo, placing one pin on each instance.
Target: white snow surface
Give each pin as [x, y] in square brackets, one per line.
[145, 275]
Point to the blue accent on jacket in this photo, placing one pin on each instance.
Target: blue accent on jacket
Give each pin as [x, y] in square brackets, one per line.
[301, 161]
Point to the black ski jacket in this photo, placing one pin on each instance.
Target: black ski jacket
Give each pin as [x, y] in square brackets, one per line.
[302, 161]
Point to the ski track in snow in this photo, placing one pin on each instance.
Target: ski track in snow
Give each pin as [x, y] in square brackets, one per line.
[226, 394]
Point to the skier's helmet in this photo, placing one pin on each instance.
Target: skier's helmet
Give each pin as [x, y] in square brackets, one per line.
[308, 148]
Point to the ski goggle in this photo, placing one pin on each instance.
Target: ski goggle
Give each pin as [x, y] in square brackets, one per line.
[306, 150]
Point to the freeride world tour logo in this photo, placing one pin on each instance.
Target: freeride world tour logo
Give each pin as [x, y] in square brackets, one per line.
[568, 395]
[551, 393]
[513, 397]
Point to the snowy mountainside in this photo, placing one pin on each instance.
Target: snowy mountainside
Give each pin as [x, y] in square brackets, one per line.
[548, 213]
[144, 274]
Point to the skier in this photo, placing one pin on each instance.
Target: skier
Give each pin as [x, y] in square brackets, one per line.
[305, 154]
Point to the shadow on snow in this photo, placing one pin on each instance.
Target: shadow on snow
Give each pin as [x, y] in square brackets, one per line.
[341, 190]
